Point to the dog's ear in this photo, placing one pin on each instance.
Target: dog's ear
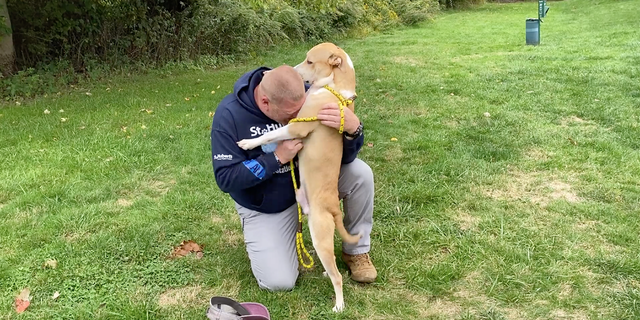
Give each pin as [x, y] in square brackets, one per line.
[335, 61]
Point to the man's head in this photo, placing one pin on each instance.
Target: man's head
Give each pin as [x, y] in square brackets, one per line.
[280, 94]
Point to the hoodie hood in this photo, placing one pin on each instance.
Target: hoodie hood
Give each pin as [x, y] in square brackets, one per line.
[244, 90]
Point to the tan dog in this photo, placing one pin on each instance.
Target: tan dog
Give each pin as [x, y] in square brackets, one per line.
[321, 156]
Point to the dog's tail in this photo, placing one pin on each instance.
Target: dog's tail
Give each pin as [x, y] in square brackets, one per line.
[344, 234]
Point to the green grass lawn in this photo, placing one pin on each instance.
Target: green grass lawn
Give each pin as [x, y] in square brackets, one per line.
[512, 191]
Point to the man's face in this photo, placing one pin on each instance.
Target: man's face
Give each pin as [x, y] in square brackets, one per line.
[286, 111]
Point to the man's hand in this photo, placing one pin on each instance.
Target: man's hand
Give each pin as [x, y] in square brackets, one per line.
[287, 150]
[329, 115]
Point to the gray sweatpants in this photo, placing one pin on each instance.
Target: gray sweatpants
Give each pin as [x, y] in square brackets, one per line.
[270, 238]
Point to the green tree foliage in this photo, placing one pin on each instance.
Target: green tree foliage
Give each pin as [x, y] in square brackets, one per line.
[83, 32]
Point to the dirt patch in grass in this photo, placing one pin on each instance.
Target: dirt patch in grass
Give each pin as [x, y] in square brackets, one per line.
[470, 289]
[183, 297]
[124, 202]
[577, 122]
[407, 61]
[586, 225]
[160, 187]
[537, 187]
[537, 154]
[439, 307]
[27, 213]
[394, 152]
[233, 238]
[573, 120]
[216, 219]
[196, 296]
[466, 221]
[73, 236]
[451, 123]
[562, 315]
[566, 290]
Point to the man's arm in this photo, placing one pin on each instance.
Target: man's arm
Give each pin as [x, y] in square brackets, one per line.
[351, 147]
[233, 170]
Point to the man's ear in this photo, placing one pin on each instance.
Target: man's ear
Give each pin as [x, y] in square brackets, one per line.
[264, 100]
[335, 61]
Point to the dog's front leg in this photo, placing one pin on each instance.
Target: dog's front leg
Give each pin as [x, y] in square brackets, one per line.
[296, 130]
[279, 134]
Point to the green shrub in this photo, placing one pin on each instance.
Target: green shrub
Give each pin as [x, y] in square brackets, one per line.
[460, 3]
[415, 11]
[95, 36]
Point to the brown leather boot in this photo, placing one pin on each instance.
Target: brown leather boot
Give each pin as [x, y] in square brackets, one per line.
[362, 269]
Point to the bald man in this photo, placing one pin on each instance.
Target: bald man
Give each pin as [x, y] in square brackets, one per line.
[259, 180]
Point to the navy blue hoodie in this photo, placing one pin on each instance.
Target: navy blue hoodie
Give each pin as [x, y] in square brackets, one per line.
[253, 178]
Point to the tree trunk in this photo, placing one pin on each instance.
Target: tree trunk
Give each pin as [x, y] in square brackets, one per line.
[7, 51]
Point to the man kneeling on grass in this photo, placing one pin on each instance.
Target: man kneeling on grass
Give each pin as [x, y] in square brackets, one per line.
[259, 180]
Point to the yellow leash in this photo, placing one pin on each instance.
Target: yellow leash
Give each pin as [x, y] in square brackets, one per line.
[300, 248]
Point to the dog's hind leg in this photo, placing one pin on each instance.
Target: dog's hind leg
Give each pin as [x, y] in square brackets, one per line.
[321, 227]
[301, 197]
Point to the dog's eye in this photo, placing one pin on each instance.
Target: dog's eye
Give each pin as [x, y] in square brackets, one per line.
[309, 62]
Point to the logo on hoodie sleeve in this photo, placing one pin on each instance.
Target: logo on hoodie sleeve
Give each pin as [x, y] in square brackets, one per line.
[222, 157]
[255, 167]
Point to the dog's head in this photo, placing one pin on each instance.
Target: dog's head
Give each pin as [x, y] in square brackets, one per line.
[324, 61]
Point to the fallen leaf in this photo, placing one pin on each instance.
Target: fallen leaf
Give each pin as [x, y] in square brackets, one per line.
[487, 114]
[370, 144]
[88, 93]
[185, 248]
[23, 300]
[63, 119]
[46, 111]
[55, 295]
[61, 110]
[218, 87]
[529, 91]
[149, 111]
[168, 105]
[452, 94]
[123, 128]
[108, 89]
[18, 103]
[179, 127]
[51, 263]
[213, 91]
[143, 126]
[81, 128]
[211, 114]
[596, 100]
[575, 143]
[187, 98]
[394, 139]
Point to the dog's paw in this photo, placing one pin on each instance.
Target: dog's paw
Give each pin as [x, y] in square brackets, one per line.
[338, 307]
[247, 144]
